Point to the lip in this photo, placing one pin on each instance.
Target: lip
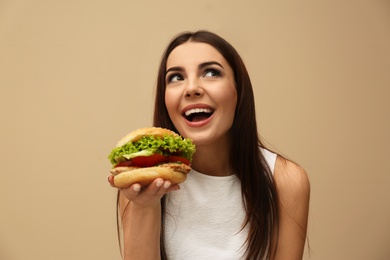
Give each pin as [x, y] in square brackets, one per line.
[199, 123]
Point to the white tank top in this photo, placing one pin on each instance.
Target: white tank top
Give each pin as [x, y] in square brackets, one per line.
[204, 219]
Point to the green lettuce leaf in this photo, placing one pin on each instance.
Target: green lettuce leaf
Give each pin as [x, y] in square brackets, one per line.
[148, 145]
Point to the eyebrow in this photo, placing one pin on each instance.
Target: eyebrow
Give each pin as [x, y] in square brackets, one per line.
[174, 69]
[205, 64]
[201, 66]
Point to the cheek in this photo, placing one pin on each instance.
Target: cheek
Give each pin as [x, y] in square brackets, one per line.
[232, 107]
[171, 101]
[229, 99]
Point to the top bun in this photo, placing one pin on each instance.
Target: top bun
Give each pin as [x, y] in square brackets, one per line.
[139, 133]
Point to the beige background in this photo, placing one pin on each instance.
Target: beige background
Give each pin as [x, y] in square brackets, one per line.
[75, 76]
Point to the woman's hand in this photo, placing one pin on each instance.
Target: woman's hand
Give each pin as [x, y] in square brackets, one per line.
[146, 196]
[140, 215]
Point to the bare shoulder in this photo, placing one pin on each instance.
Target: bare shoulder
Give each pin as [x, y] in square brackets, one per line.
[293, 188]
[291, 179]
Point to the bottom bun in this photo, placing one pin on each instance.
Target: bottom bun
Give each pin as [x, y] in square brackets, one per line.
[144, 176]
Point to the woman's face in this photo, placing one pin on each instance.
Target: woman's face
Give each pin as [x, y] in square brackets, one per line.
[200, 93]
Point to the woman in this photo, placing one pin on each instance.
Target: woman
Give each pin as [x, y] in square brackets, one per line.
[241, 201]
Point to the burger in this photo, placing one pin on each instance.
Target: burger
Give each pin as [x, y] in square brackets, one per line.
[149, 153]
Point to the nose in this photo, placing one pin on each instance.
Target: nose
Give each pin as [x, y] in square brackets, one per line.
[194, 89]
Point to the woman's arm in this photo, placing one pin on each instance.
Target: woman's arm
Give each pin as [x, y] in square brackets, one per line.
[140, 212]
[293, 189]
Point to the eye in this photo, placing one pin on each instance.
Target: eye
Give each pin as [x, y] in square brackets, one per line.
[174, 78]
[212, 73]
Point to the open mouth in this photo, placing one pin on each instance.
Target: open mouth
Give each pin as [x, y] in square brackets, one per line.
[198, 114]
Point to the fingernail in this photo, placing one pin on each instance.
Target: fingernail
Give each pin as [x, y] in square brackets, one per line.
[166, 185]
[159, 183]
[137, 188]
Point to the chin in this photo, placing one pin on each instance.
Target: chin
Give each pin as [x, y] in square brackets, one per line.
[207, 138]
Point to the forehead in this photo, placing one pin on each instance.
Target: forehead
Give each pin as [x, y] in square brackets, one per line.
[194, 52]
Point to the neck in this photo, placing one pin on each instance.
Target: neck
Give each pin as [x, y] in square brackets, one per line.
[212, 160]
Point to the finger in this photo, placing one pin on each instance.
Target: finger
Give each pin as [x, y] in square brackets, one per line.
[131, 192]
[173, 187]
[164, 188]
[154, 186]
[157, 187]
[136, 187]
[167, 187]
[111, 181]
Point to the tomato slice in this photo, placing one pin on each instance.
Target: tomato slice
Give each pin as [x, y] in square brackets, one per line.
[175, 158]
[148, 161]
[124, 164]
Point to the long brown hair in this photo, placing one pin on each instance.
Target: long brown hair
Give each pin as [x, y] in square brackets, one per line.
[257, 186]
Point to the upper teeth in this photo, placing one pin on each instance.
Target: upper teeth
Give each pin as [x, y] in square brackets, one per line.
[197, 110]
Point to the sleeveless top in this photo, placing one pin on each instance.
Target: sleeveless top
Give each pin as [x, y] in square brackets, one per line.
[204, 219]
